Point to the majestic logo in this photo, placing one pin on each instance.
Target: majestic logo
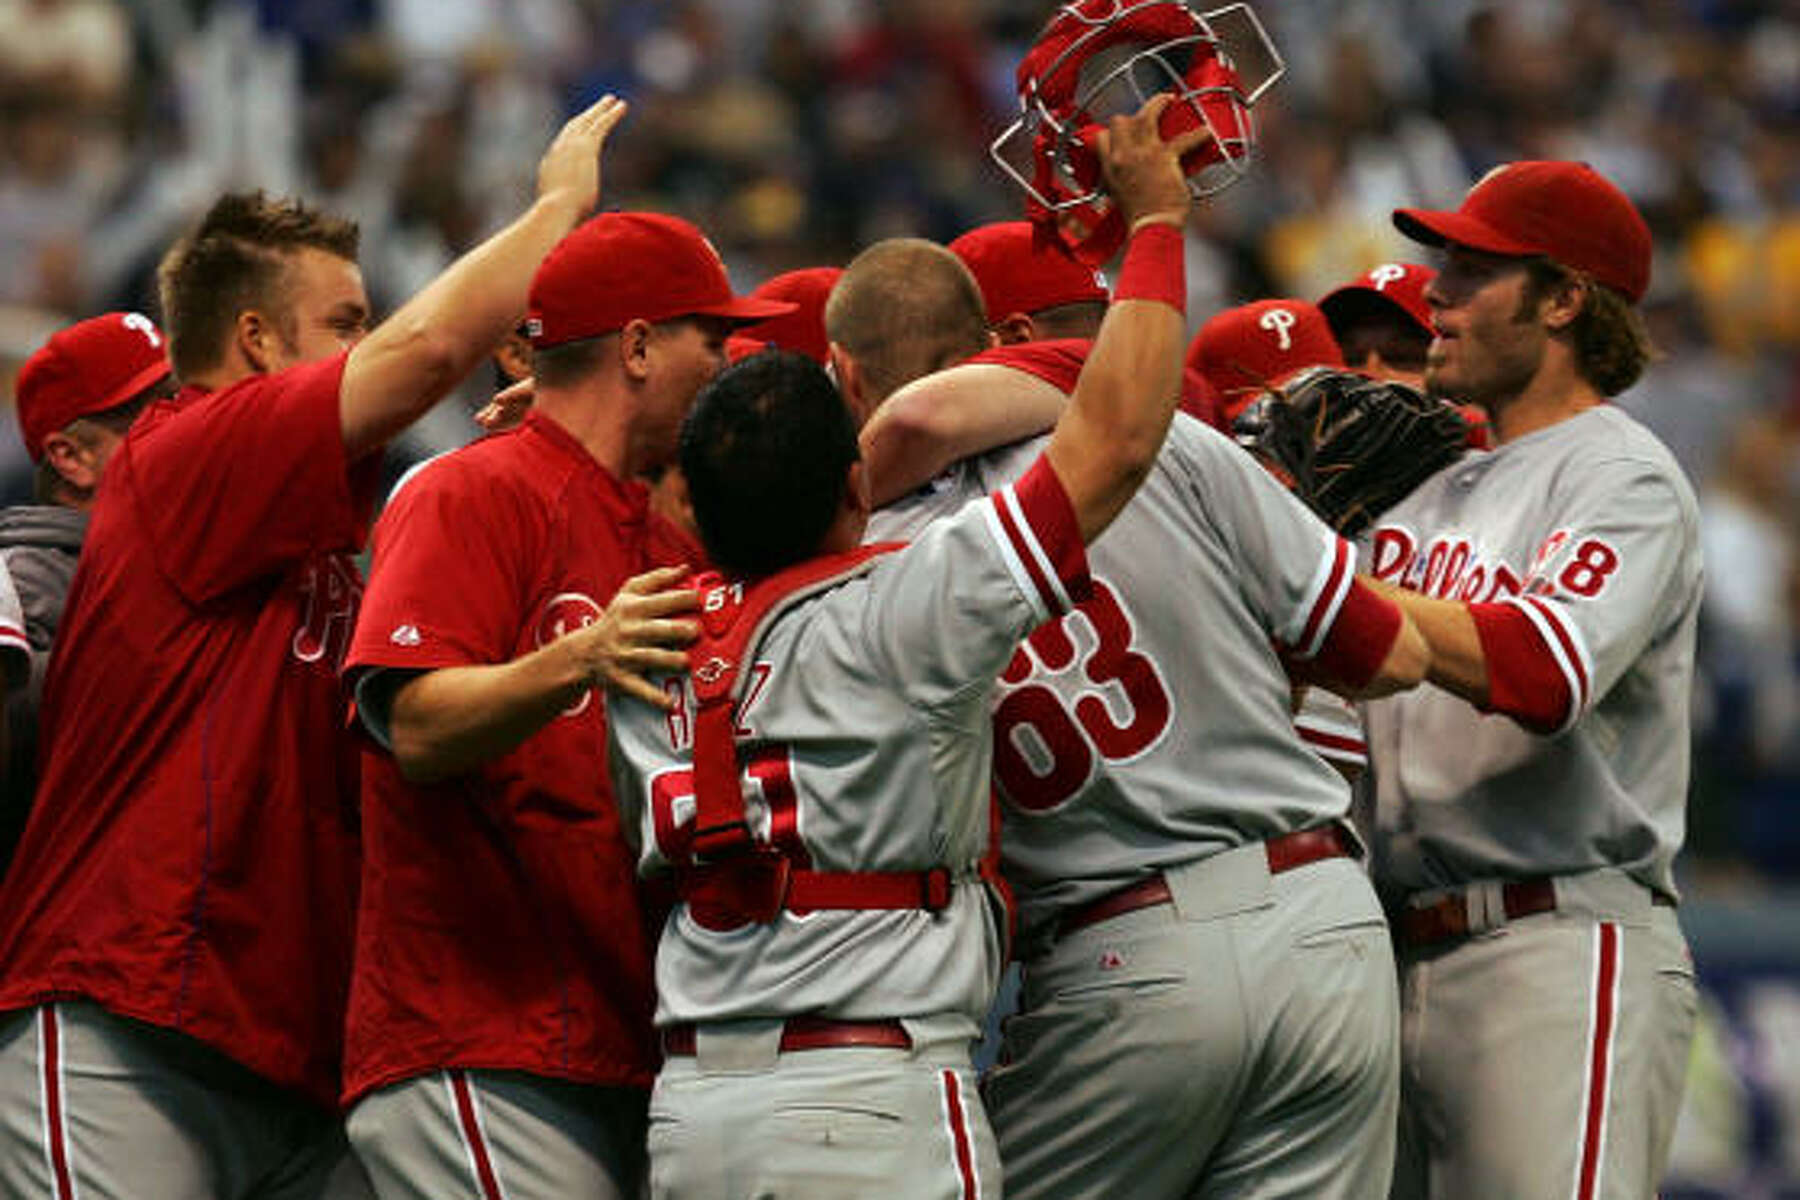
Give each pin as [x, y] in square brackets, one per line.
[712, 670]
[1278, 321]
[1385, 274]
[405, 635]
[563, 614]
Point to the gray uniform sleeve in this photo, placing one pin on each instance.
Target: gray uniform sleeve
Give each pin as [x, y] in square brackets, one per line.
[1294, 571]
[1613, 574]
[964, 595]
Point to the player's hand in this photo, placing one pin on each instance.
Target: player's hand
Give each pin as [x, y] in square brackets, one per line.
[1143, 172]
[642, 632]
[570, 168]
[508, 407]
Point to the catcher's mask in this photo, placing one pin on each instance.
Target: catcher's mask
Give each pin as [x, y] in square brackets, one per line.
[1099, 58]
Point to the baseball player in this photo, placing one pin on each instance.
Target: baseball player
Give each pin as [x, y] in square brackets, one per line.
[175, 931]
[1165, 826]
[905, 307]
[802, 327]
[1032, 292]
[1529, 805]
[819, 785]
[504, 1047]
[76, 396]
[1246, 351]
[1382, 323]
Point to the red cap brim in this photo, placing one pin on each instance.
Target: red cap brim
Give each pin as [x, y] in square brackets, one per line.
[1434, 228]
[746, 310]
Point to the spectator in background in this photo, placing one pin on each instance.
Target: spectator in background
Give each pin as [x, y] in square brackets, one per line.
[77, 397]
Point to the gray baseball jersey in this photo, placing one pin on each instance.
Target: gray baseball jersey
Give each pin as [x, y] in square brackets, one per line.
[1153, 727]
[1590, 530]
[863, 724]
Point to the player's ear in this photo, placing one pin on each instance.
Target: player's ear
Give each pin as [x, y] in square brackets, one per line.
[857, 497]
[847, 374]
[1564, 302]
[1013, 329]
[77, 466]
[252, 334]
[634, 349]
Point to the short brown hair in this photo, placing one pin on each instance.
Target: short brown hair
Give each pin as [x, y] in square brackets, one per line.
[903, 308]
[1612, 347]
[234, 260]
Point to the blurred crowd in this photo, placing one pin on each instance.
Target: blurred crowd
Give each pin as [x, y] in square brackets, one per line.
[798, 131]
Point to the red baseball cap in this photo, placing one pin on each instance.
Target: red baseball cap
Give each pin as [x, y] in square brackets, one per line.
[1016, 274]
[1565, 211]
[1401, 284]
[1245, 351]
[803, 329]
[91, 366]
[622, 267]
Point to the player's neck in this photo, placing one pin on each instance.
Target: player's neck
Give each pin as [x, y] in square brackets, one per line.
[600, 428]
[1556, 393]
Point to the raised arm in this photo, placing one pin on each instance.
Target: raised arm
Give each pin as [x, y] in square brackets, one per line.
[1109, 435]
[413, 359]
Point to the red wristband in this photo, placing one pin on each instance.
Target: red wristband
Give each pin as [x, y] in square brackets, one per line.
[1154, 268]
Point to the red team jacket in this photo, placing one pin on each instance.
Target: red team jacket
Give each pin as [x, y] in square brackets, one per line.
[500, 925]
[192, 859]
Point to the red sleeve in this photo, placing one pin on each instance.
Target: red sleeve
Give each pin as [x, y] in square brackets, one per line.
[1057, 362]
[1360, 637]
[246, 482]
[1038, 522]
[453, 567]
[1525, 681]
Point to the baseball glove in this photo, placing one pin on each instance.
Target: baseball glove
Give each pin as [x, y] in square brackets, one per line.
[1350, 446]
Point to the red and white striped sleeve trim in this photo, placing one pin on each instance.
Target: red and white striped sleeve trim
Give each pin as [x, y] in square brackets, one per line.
[12, 635]
[1562, 638]
[1332, 740]
[1311, 621]
[1034, 525]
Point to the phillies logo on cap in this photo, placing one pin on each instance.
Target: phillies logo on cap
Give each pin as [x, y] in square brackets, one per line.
[1385, 274]
[1278, 321]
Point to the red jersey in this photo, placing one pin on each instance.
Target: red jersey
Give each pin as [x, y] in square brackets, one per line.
[1057, 362]
[192, 859]
[500, 925]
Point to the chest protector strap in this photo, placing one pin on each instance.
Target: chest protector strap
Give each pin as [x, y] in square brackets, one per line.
[735, 878]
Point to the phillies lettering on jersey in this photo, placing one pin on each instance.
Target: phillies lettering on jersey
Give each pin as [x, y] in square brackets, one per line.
[1452, 567]
[1588, 530]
